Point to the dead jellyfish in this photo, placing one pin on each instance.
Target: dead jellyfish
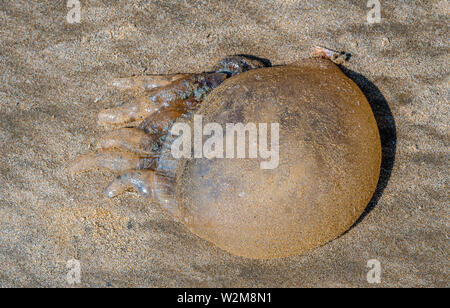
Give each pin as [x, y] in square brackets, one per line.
[325, 173]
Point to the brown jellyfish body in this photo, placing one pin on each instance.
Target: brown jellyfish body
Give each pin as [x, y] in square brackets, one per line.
[329, 156]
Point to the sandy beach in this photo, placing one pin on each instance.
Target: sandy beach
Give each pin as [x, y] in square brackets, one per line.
[55, 77]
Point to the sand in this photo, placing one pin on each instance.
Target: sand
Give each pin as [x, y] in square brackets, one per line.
[54, 79]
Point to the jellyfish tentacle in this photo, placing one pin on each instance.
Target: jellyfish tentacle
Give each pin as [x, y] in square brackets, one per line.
[140, 180]
[146, 82]
[147, 183]
[185, 89]
[160, 122]
[135, 110]
[110, 159]
[133, 140]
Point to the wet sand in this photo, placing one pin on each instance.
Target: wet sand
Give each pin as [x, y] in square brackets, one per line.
[54, 79]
